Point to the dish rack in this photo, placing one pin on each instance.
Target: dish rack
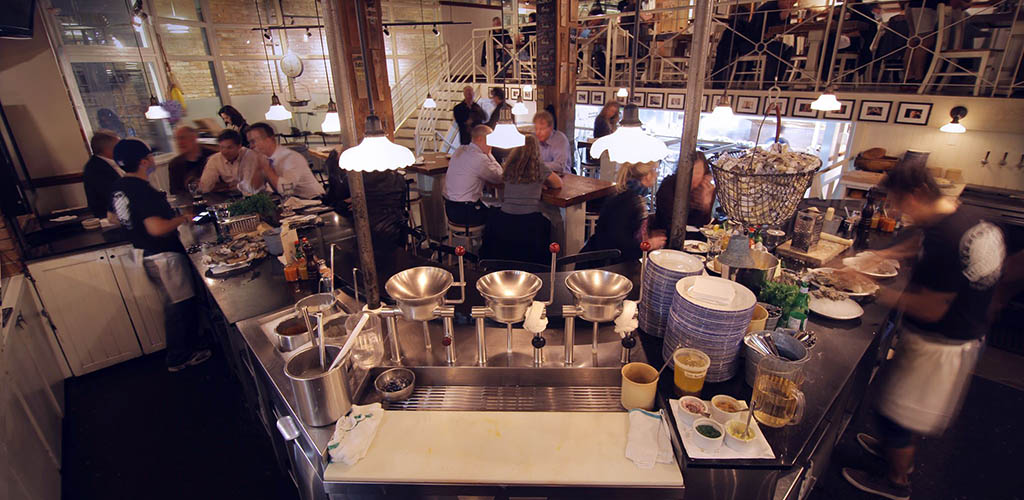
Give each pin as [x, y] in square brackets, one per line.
[241, 224]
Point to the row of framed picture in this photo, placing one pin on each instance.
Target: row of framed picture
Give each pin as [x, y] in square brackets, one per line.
[908, 113]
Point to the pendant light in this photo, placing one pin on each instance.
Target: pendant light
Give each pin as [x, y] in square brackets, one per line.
[827, 101]
[277, 111]
[429, 102]
[955, 127]
[505, 134]
[155, 110]
[527, 88]
[623, 92]
[520, 108]
[722, 116]
[375, 153]
[629, 143]
[331, 123]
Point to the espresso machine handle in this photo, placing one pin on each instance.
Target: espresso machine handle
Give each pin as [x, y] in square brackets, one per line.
[460, 251]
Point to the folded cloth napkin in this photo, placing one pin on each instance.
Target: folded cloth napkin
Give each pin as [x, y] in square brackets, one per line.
[714, 290]
[296, 203]
[354, 433]
[535, 321]
[647, 442]
[626, 322]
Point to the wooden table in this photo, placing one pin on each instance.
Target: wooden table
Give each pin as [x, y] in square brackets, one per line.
[321, 152]
[433, 164]
[573, 197]
[430, 182]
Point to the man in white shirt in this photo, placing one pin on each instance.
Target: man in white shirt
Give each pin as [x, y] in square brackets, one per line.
[470, 167]
[288, 171]
[234, 167]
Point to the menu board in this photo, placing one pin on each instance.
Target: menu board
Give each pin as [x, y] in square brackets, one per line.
[547, 41]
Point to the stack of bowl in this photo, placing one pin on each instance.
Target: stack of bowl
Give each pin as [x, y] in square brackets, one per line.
[664, 269]
[715, 329]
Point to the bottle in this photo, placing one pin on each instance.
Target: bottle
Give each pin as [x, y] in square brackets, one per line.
[298, 251]
[312, 265]
[867, 215]
[798, 311]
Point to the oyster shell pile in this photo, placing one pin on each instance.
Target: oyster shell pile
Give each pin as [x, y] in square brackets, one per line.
[777, 159]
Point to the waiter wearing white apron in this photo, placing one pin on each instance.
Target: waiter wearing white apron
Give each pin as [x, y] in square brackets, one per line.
[152, 226]
[959, 260]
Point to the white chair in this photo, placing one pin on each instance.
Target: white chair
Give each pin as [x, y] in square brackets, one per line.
[951, 59]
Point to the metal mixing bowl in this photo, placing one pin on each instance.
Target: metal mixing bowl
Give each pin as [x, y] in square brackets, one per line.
[420, 290]
[509, 293]
[599, 294]
[393, 374]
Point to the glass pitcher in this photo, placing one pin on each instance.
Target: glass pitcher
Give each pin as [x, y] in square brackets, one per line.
[368, 350]
[778, 400]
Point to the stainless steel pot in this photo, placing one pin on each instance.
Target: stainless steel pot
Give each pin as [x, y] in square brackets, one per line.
[419, 291]
[291, 333]
[599, 294]
[320, 398]
[509, 294]
[764, 268]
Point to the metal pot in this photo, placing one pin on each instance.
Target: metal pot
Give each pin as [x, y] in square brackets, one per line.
[509, 294]
[764, 268]
[599, 294]
[320, 398]
[291, 333]
[320, 302]
[419, 291]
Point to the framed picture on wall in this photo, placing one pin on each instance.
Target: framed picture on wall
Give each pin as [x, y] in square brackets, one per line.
[597, 97]
[675, 101]
[716, 99]
[747, 104]
[582, 97]
[528, 94]
[845, 111]
[704, 103]
[913, 113]
[802, 108]
[779, 102]
[874, 111]
[637, 98]
[514, 93]
[655, 100]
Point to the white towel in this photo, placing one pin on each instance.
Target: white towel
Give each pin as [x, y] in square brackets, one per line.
[297, 203]
[354, 433]
[535, 321]
[714, 290]
[626, 322]
[647, 442]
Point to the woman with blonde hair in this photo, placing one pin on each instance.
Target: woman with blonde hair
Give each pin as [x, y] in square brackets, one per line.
[519, 231]
[607, 120]
[622, 224]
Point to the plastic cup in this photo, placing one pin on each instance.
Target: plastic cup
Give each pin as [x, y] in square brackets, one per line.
[368, 350]
[691, 367]
[639, 384]
[758, 319]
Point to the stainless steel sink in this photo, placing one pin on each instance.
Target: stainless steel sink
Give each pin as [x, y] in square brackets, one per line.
[467, 388]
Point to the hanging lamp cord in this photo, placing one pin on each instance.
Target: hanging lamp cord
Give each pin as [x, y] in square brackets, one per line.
[263, 40]
[323, 52]
[636, 46]
[423, 39]
[138, 45]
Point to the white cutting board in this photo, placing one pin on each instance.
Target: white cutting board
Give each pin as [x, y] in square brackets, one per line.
[549, 448]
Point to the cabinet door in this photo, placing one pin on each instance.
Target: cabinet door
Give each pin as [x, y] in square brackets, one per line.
[82, 297]
[141, 297]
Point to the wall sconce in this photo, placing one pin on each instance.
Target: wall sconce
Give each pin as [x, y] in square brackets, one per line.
[955, 127]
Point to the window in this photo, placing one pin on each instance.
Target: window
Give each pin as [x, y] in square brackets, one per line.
[116, 97]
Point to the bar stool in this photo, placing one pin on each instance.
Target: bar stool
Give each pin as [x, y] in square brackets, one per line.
[414, 206]
[470, 237]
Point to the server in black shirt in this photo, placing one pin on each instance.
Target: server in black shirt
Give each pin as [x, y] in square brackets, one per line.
[959, 261]
[188, 166]
[100, 171]
[468, 114]
[152, 226]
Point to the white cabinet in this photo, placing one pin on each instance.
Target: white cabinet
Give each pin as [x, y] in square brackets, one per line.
[82, 296]
[31, 398]
[141, 297]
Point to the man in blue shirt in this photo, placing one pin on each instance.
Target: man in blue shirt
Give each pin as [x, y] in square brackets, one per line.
[554, 145]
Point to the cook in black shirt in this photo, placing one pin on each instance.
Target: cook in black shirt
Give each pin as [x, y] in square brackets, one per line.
[959, 261]
[152, 227]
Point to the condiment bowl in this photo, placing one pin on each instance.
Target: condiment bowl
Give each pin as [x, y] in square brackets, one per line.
[395, 374]
[722, 416]
[687, 416]
[733, 432]
[705, 443]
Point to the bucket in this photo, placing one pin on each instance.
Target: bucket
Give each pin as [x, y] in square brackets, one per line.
[320, 398]
[790, 348]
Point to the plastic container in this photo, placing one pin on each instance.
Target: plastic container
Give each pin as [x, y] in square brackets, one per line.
[639, 384]
[272, 238]
[691, 367]
[758, 319]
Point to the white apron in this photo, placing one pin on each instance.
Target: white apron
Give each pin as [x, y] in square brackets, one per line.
[170, 271]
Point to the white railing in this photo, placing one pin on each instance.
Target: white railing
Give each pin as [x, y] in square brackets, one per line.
[408, 93]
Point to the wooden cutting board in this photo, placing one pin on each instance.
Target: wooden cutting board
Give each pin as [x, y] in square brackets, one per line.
[828, 248]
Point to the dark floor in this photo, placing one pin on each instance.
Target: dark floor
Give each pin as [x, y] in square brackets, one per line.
[136, 431]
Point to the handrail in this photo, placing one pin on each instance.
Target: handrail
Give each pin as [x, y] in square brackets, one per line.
[408, 91]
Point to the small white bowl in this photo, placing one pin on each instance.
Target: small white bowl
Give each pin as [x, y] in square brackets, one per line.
[705, 443]
[737, 443]
[721, 416]
[688, 416]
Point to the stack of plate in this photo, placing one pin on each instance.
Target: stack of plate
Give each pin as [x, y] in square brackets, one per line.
[715, 329]
[664, 269]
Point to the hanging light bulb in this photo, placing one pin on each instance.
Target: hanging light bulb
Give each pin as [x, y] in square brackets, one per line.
[429, 102]
[623, 92]
[386, 32]
[826, 101]
[955, 127]
[527, 88]
[722, 116]
[435, 32]
[156, 111]
[277, 111]
[307, 36]
[505, 134]
[375, 153]
[629, 143]
[520, 108]
[331, 123]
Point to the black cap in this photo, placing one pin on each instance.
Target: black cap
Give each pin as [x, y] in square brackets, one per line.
[128, 153]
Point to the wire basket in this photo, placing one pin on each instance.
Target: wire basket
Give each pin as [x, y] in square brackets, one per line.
[760, 199]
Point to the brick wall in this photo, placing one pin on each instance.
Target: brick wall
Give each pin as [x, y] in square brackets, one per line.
[241, 12]
[251, 77]
[195, 78]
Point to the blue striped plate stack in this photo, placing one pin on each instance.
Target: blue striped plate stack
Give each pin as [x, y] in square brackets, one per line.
[715, 329]
[664, 269]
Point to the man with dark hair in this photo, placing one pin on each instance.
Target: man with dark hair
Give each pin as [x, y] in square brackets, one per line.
[234, 167]
[498, 98]
[152, 227]
[100, 171]
[470, 168]
[959, 261]
[555, 151]
[286, 171]
[467, 114]
[188, 166]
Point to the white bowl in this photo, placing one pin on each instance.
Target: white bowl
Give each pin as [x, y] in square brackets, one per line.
[721, 416]
[686, 415]
[736, 443]
[705, 443]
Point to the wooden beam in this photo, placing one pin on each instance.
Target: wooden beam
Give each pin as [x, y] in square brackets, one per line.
[556, 62]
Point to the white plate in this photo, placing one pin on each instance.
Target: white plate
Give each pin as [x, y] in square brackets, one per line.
[712, 266]
[835, 309]
[813, 276]
[854, 263]
[742, 300]
[64, 218]
[696, 246]
[675, 261]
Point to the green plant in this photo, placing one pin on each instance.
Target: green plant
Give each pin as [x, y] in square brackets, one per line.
[259, 203]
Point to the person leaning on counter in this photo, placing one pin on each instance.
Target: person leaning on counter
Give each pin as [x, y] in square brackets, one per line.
[152, 226]
[234, 167]
[286, 171]
[702, 197]
[100, 171]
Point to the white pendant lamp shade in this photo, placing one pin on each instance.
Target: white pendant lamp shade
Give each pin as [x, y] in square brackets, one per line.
[623, 92]
[277, 111]
[826, 102]
[156, 111]
[722, 115]
[429, 102]
[505, 134]
[527, 88]
[331, 123]
[520, 108]
[375, 153]
[629, 143]
[955, 127]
